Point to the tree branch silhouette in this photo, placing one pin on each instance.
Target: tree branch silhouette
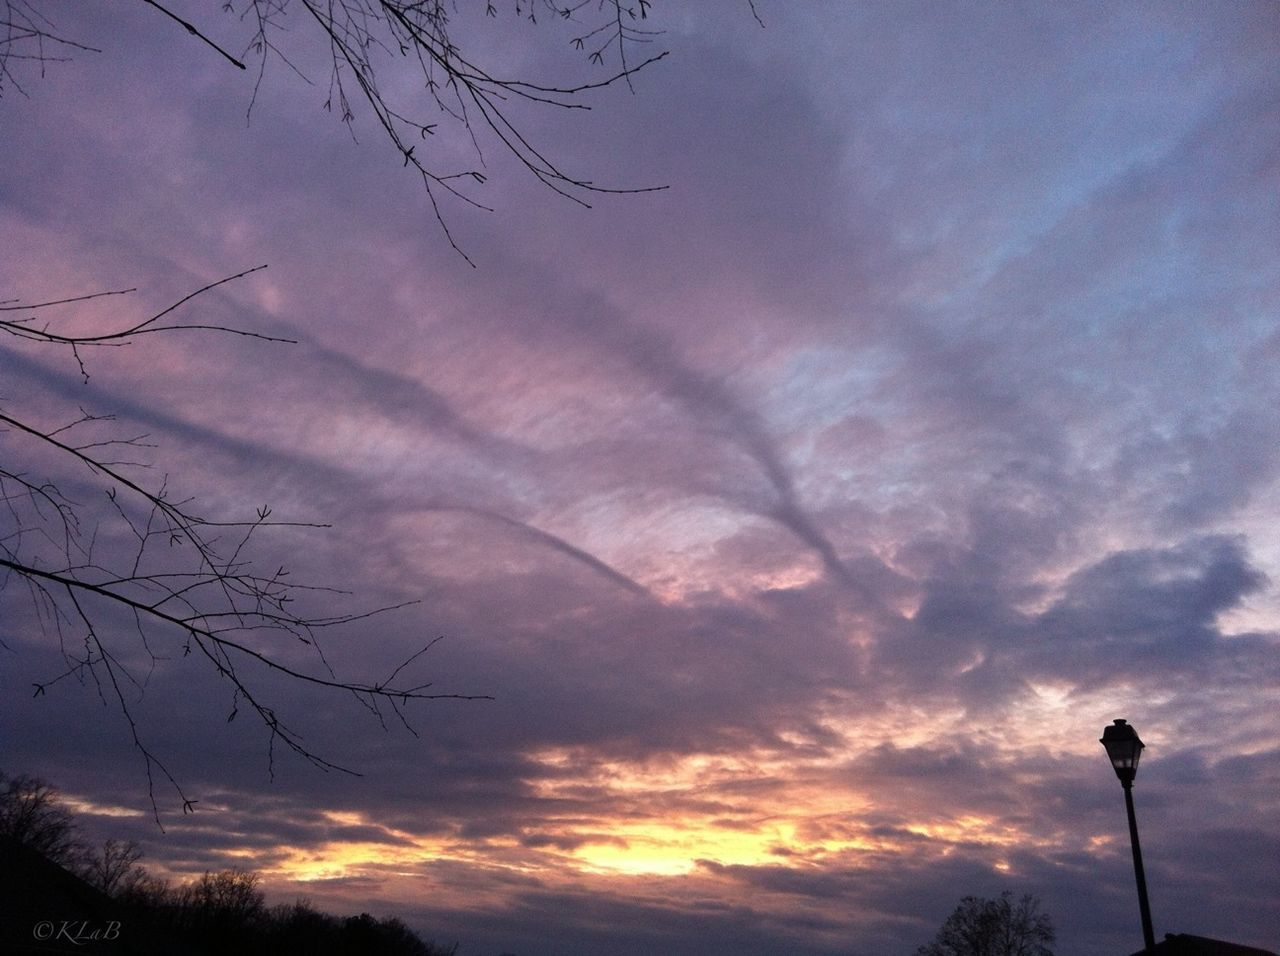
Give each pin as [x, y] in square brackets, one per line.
[398, 60]
[126, 549]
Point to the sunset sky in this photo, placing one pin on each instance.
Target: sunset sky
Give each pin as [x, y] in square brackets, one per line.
[806, 521]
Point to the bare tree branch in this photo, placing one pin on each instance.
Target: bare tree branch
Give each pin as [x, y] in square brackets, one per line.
[453, 96]
[190, 28]
[167, 567]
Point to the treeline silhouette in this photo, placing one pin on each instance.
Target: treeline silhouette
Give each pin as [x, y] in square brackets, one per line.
[66, 896]
[225, 912]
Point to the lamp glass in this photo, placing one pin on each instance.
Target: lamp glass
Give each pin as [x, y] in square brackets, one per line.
[1124, 747]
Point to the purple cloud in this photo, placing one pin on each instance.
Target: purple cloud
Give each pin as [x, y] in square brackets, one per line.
[806, 521]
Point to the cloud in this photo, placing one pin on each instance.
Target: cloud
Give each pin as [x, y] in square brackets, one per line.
[806, 521]
[1151, 613]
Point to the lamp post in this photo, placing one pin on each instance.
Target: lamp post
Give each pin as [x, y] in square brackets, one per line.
[1124, 748]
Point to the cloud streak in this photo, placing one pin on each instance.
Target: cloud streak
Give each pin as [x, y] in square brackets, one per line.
[806, 521]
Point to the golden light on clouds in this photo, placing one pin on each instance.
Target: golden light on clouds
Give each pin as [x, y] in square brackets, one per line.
[341, 859]
[664, 818]
[968, 829]
[82, 805]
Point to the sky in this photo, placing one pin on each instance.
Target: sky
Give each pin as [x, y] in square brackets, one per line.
[806, 520]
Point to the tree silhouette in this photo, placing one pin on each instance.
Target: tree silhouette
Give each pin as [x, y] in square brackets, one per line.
[1002, 927]
[218, 912]
[113, 868]
[32, 814]
[119, 569]
[121, 565]
[124, 571]
[399, 61]
[225, 898]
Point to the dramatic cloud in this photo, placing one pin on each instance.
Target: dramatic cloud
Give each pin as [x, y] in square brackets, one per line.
[805, 521]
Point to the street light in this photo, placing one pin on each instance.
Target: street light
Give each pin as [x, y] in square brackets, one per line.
[1124, 748]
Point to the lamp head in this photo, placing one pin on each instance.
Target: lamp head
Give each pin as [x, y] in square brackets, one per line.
[1124, 747]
